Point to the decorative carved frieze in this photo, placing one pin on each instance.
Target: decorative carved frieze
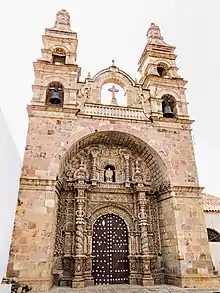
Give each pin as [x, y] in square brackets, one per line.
[84, 194]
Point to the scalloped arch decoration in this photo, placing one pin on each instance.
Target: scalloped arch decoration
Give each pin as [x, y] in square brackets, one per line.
[112, 209]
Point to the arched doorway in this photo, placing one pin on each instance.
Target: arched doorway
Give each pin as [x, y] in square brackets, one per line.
[110, 264]
[135, 176]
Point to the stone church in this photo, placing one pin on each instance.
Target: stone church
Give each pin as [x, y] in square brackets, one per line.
[109, 194]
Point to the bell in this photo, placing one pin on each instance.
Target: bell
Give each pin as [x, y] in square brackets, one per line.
[168, 112]
[55, 98]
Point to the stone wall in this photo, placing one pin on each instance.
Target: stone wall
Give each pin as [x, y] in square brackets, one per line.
[50, 138]
[34, 233]
[181, 218]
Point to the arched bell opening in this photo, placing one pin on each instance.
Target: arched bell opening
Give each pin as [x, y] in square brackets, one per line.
[162, 69]
[169, 106]
[59, 56]
[55, 94]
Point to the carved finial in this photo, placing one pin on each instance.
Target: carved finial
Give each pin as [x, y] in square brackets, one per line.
[89, 75]
[113, 62]
[62, 20]
[154, 32]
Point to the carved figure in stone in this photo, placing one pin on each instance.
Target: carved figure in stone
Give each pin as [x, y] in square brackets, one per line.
[86, 91]
[138, 178]
[109, 175]
[81, 173]
[104, 163]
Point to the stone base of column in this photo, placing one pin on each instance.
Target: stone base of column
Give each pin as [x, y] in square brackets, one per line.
[147, 282]
[78, 281]
[88, 282]
[158, 277]
[133, 272]
[133, 278]
[147, 279]
[88, 278]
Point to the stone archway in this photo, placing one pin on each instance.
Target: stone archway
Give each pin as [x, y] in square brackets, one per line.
[110, 263]
[85, 196]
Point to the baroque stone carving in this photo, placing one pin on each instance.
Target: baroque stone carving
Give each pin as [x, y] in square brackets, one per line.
[85, 196]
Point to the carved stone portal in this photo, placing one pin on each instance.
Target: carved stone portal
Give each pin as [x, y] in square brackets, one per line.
[103, 184]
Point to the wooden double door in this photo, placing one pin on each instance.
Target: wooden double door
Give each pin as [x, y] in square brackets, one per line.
[110, 264]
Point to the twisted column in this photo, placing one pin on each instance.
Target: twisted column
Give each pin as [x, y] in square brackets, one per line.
[143, 222]
[147, 278]
[143, 228]
[79, 239]
[80, 213]
[94, 154]
[79, 236]
[127, 179]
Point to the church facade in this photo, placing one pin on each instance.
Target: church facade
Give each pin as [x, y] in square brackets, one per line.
[109, 194]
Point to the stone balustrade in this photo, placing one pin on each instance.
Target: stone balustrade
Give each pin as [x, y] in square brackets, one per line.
[114, 111]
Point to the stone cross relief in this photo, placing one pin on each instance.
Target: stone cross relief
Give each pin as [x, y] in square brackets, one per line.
[113, 90]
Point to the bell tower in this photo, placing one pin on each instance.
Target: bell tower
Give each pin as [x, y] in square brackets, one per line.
[56, 72]
[109, 194]
[159, 74]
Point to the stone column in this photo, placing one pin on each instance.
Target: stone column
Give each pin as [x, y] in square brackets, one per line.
[145, 256]
[127, 179]
[133, 272]
[94, 154]
[79, 236]
[88, 262]
[68, 257]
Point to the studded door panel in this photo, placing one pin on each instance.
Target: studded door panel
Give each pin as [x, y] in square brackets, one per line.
[110, 250]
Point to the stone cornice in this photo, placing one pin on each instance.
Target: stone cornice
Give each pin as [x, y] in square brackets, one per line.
[162, 120]
[47, 66]
[52, 112]
[186, 192]
[32, 183]
[110, 188]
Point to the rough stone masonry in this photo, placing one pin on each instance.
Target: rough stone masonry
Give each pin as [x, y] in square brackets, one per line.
[109, 194]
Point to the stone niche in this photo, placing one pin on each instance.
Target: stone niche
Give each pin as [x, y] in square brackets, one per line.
[106, 180]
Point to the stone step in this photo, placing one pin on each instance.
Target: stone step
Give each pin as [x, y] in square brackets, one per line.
[132, 289]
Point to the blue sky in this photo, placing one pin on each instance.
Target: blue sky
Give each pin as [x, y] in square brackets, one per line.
[117, 30]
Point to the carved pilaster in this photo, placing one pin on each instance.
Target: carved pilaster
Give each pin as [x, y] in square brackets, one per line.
[80, 214]
[127, 179]
[142, 217]
[68, 244]
[147, 279]
[145, 256]
[94, 174]
[78, 281]
[89, 281]
[133, 270]
[132, 245]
